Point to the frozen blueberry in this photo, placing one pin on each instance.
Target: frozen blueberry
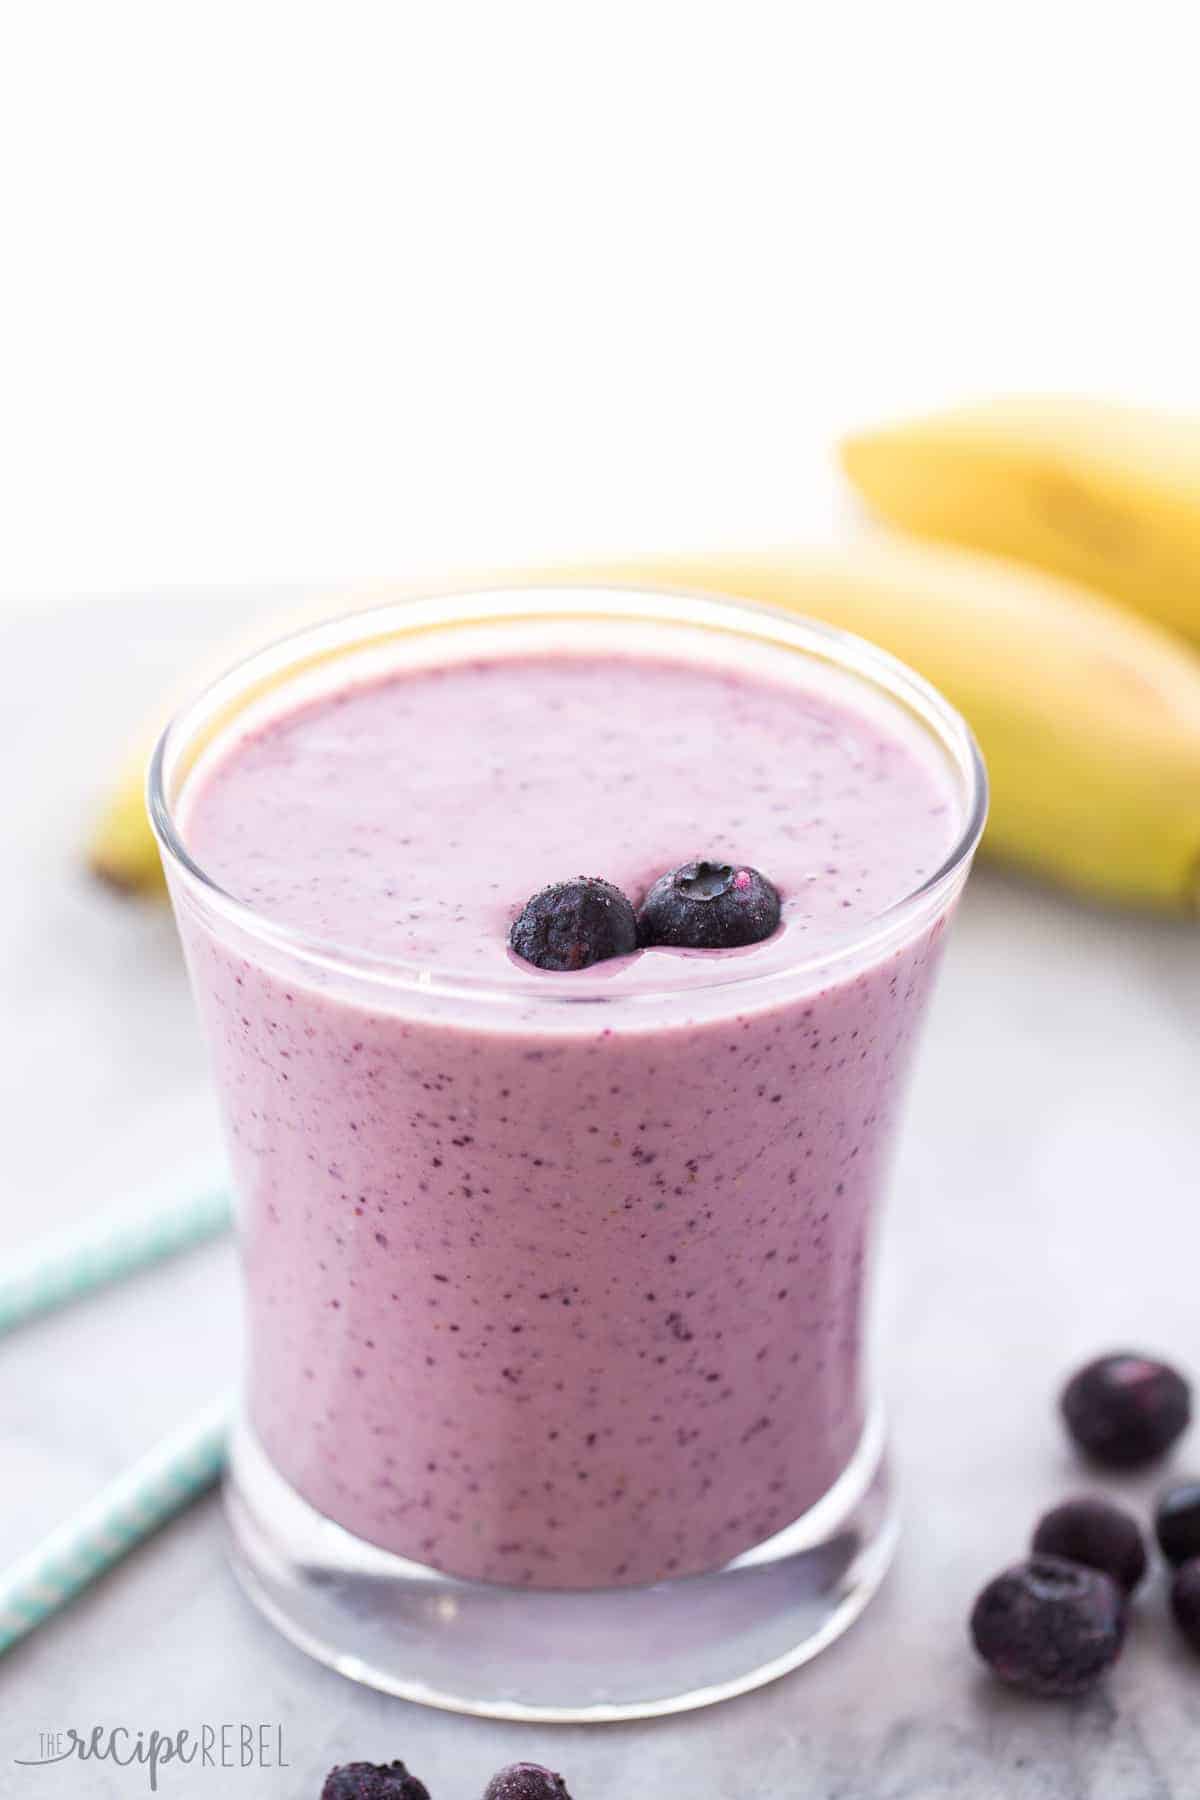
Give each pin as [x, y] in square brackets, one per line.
[1126, 1409]
[1185, 1600]
[1094, 1532]
[709, 906]
[574, 924]
[1177, 1522]
[526, 1781]
[1049, 1627]
[373, 1781]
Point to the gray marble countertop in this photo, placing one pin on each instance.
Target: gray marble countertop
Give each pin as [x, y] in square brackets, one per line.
[1044, 1207]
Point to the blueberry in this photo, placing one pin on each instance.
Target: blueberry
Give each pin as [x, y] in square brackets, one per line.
[373, 1781]
[526, 1781]
[574, 924]
[1049, 1627]
[1185, 1600]
[1126, 1409]
[1094, 1532]
[709, 906]
[1177, 1522]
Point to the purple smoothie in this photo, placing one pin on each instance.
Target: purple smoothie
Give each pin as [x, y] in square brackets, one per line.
[543, 1293]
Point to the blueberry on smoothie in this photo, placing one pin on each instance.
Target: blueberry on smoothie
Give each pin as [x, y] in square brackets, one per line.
[526, 1781]
[1096, 1533]
[1185, 1600]
[373, 1781]
[1049, 1627]
[1177, 1522]
[1126, 1409]
[573, 924]
[709, 906]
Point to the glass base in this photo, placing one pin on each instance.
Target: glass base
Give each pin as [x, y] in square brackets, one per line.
[556, 1655]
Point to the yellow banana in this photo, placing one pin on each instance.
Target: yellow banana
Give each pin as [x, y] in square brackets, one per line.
[1105, 494]
[121, 849]
[1088, 716]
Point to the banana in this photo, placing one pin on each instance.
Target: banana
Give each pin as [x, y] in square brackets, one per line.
[1088, 717]
[1104, 494]
[121, 849]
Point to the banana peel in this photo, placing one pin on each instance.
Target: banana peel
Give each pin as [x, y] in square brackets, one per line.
[1088, 716]
[1104, 494]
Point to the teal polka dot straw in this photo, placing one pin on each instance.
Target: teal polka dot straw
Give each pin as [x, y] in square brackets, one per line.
[132, 1506]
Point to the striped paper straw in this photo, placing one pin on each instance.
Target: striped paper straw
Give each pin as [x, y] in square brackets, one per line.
[104, 1248]
[128, 1510]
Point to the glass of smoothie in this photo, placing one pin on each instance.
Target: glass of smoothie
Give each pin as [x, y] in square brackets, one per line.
[556, 1222]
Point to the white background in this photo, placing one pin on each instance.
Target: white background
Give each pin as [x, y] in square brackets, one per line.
[316, 292]
[322, 294]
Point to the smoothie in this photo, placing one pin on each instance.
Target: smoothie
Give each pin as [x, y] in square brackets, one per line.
[547, 1294]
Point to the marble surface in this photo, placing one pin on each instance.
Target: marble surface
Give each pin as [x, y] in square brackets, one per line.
[1043, 1208]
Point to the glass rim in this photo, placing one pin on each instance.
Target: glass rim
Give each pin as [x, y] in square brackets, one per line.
[283, 658]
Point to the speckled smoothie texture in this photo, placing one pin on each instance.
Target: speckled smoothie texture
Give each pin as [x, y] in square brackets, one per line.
[543, 1294]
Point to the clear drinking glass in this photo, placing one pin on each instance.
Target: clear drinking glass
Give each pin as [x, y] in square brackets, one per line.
[330, 1065]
